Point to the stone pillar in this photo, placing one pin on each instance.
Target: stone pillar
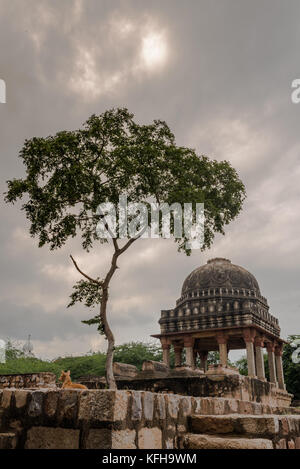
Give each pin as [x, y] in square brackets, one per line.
[178, 354]
[279, 367]
[165, 345]
[249, 335]
[166, 354]
[259, 358]
[271, 362]
[222, 341]
[203, 358]
[189, 352]
[195, 358]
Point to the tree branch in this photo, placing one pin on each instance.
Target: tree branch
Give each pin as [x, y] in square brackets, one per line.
[116, 246]
[82, 273]
[127, 245]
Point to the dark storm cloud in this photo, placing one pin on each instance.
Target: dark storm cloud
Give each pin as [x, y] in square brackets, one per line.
[220, 74]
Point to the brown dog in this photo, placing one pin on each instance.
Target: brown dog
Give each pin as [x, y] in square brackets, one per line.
[67, 383]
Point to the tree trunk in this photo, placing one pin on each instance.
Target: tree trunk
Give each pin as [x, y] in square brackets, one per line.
[110, 379]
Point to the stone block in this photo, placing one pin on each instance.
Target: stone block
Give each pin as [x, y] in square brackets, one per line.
[8, 440]
[96, 406]
[21, 396]
[218, 369]
[155, 367]
[98, 439]
[232, 405]
[256, 408]
[36, 404]
[284, 426]
[124, 369]
[294, 424]
[266, 409]
[213, 424]
[297, 442]
[245, 407]
[16, 426]
[150, 438]
[121, 405]
[123, 439]
[186, 406]
[52, 438]
[172, 401]
[67, 406]
[136, 409]
[238, 424]
[258, 425]
[181, 429]
[148, 405]
[51, 403]
[281, 444]
[169, 443]
[215, 442]
[207, 406]
[196, 405]
[160, 407]
[291, 444]
[6, 398]
[219, 406]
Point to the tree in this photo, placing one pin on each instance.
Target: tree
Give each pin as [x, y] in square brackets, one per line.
[135, 353]
[70, 174]
[242, 366]
[291, 365]
[13, 350]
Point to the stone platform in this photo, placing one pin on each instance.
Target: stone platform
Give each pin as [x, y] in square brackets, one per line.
[106, 419]
[217, 382]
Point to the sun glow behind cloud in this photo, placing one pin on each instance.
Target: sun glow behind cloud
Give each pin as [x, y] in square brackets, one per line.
[154, 50]
[146, 49]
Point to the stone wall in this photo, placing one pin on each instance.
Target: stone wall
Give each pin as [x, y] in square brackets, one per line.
[183, 382]
[107, 419]
[28, 380]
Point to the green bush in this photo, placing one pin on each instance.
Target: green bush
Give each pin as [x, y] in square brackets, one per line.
[135, 353]
[93, 364]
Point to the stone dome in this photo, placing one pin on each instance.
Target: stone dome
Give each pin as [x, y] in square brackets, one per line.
[220, 273]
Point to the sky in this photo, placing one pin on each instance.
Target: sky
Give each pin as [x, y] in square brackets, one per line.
[219, 73]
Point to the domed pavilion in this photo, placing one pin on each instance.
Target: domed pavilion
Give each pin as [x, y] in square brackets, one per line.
[221, 309]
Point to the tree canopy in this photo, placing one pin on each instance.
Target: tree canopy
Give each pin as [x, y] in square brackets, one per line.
[70, 174]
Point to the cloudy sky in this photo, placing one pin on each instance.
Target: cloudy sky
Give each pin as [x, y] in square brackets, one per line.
[220, 74]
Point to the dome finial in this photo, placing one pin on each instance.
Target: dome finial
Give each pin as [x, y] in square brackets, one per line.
[218, 259]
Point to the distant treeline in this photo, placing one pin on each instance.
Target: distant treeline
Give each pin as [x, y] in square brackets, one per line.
[134, 353]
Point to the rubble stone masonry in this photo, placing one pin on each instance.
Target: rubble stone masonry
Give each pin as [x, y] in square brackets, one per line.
[55, 418]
